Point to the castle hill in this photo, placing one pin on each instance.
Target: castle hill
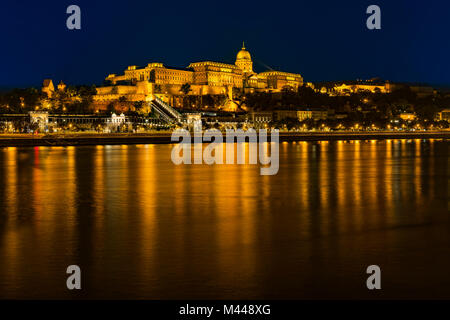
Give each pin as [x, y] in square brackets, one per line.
[146, 103]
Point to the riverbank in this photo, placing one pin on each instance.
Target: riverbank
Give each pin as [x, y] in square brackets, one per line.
[19, 140]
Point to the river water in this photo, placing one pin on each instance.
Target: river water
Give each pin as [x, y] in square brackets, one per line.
[141, 227]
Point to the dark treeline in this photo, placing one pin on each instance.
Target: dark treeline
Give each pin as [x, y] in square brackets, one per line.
[74, 99]
[376, 104]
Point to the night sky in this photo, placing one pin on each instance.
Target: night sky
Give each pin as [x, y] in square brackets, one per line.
[322, 40]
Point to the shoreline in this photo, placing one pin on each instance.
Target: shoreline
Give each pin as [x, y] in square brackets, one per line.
[27, 140]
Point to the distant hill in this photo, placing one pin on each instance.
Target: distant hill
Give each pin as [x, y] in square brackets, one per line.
[4, 89]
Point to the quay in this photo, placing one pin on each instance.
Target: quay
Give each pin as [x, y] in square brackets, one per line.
[80, 139]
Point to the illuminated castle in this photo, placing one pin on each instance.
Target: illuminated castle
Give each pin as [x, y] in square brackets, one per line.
[200, 78]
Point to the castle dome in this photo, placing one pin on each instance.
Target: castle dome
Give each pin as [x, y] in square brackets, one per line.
[243, 54]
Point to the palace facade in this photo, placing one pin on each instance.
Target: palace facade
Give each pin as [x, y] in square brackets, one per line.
[199, 78]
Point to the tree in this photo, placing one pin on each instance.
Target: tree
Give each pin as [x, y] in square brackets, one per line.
[185, 88]
[157, 88]
[138, 105]
[237, 94]
[21, 100]
[286, 89]
[111, 108]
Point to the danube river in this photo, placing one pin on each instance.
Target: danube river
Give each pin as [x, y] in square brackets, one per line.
[140, 227]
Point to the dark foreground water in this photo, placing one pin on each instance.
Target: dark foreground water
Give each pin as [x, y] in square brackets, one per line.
[141, 227]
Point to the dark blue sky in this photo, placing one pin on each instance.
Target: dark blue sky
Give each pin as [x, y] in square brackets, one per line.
[322, 40]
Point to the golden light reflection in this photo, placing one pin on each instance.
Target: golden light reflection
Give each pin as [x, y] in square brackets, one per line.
[241, 189]
[355, 185]
[388, 164]
[372, 190]
[324, 171]
[304, 172]
[11, 182]
[37, 185]
[98, 184]
[166, 215]
[341, 183]
[417, 170]
[11, 237]
[147, 197]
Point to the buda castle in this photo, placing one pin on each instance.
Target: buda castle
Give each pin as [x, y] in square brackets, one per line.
[199, 78]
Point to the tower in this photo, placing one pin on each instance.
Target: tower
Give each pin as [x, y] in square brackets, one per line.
[244, 60]
[48, 87]
[61, 86]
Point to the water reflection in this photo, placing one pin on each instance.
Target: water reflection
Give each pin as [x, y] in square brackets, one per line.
[141, 227]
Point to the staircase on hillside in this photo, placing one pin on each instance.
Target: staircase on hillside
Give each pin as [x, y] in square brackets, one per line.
[166, 112]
